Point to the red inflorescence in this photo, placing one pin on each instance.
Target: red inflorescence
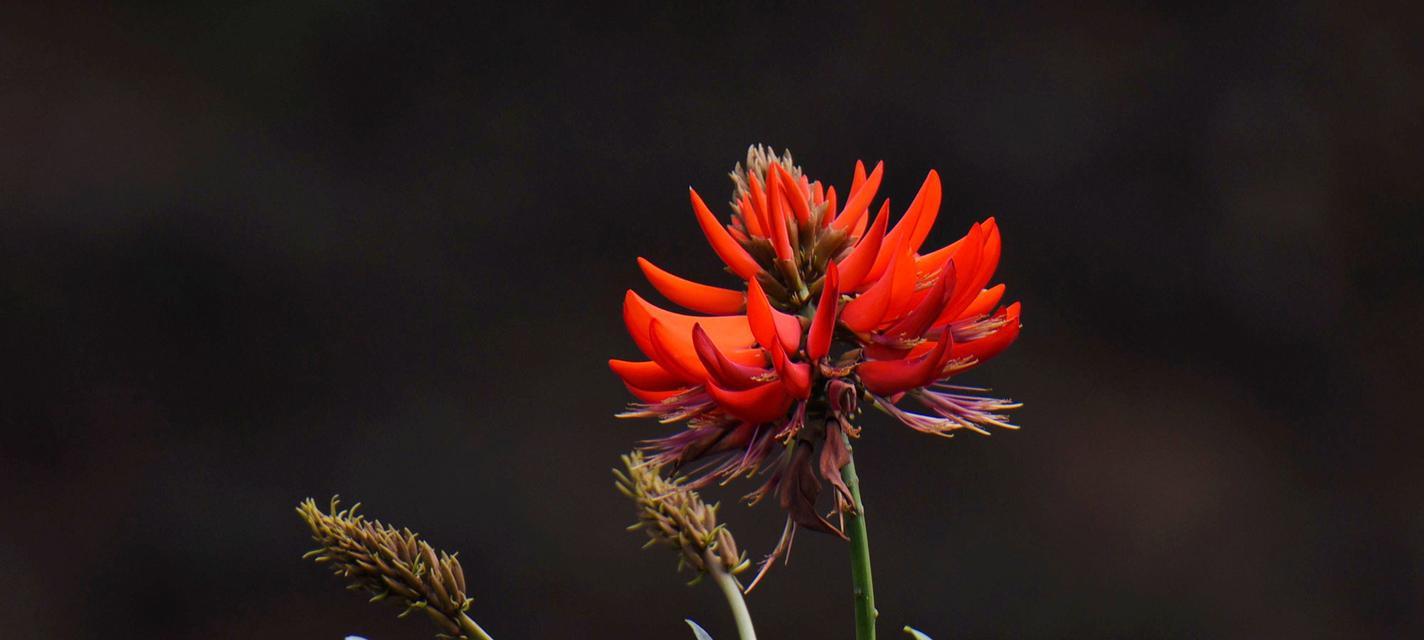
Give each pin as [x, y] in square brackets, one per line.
[835, 307]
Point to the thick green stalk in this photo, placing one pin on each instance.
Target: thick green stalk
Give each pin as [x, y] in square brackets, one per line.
[864, 591]
[735, 601]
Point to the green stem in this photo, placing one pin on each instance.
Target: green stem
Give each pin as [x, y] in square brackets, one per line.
[864, 591]
[733, 593]
[471, 629]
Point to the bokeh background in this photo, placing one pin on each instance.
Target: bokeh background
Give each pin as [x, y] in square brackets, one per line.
[255, 253]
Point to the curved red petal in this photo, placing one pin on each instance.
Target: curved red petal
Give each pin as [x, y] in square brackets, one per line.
[693, 295]
[992, 344]
[858, 263]
[795, 376]
[768, 325]
[722, 242]
[886, 377]
[777, 217]
[967, 260]
[764, 403]
[673, 355]
[984, 302]
[859, 201]
[794, 195]
[902, 237]
[652, 396]
[867, 310]
[988, 262]
[917, 321]
[857, 177]
[758, 198]
[729, 331]
[928, 200]
[751, 217]
[720, 368]
[823, 325]
[645, 375]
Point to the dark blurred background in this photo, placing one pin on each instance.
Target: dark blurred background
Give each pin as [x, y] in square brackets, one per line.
[253, 254]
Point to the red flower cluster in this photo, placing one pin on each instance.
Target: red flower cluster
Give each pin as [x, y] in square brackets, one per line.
[838, 307]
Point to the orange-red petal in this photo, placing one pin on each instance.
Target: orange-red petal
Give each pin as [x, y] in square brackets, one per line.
[888, 377]
[728, 331]
[984, 302]
[722, 369]
[673, 355]
[764, 403]
[652, 396]
[647, 375]
[862, 257]
[693, 295]
[902, 237]
[777, 217]
[794, 195]
[795, 376]
[859, 201]
[928, 200]
[823, 325]
[867, 310]
[990, 345]
[768, 325]
[722, 242]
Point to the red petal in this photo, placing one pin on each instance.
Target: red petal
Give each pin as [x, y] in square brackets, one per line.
[867, 310]
[677, 358]
[823, 325]
[914, 324]
[645, 375]
[794, 195]
[722, 243]
[967, 260]
[988, 262]
[768, 325]
[777, 216]
[729, 331]
[758, 197]
[854, 267]
[990, 345]
[764, 403]
[931, 193]
[859, 200]
[750, 217]
[721, 369]
[906, 230]
[795, 376]
[984, 302]
[693, 295]
[886, 377]
[651, 396]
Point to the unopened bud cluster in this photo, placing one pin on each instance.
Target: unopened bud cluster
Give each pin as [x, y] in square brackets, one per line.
[675, 516]
[390, 563]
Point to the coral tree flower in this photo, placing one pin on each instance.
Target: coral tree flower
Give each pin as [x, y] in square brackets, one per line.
[835, 307]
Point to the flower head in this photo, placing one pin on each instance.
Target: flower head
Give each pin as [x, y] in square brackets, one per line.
[836, 306]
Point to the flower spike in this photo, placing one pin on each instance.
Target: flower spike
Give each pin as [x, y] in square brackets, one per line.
[834, 309]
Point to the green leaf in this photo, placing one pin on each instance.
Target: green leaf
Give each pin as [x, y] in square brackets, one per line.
[698, 632]
[916, 634]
